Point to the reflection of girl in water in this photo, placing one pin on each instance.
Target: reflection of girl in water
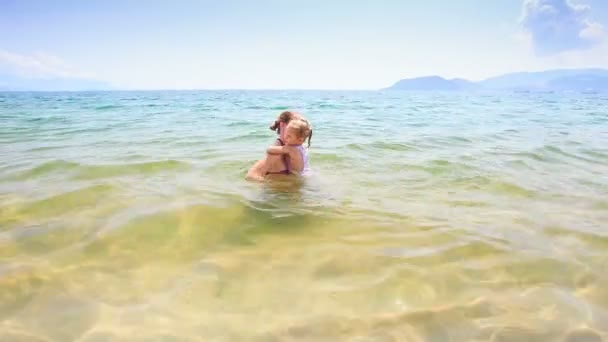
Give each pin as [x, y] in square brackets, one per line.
[288, 156]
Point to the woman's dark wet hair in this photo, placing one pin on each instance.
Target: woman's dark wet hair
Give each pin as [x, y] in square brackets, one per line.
[284, 117]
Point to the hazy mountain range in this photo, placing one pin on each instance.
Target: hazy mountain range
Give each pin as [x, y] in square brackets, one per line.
[564, 79]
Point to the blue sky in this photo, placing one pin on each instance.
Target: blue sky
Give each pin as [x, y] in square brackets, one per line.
[296, 44]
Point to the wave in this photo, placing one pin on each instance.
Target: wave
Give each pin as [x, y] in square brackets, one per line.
[329, 158]
[393, 146]
[192, 229]
[108, 107]
[242, 124]
[44, 169]
[50, 119]
[57, 205]
[250, 135]
[558, 151]
[83, 130]
[146, 168]
[529, 155]
[273, 108]
[595, 153]
[493, 185]
[457, 321]
[84, 171]
[439, 167]
[48, 148]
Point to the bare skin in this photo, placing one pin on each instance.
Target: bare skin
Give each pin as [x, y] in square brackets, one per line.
[276, 155]
[272, 163]
[290, 150]
[293, 154]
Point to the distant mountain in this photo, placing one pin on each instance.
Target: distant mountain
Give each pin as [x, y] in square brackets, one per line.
[432, 83]
[539, 80]
[10, 82]
[564, 79]
[580, 82]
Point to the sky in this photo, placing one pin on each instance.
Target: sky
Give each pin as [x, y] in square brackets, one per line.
[279, 44]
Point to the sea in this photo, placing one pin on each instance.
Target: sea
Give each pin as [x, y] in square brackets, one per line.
[428, 216]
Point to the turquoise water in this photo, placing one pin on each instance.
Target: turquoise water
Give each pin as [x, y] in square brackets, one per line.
[429, 216]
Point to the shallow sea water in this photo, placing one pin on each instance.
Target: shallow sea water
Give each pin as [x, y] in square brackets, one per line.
[428, 217]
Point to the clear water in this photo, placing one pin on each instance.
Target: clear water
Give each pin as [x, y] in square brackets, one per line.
[429, 217]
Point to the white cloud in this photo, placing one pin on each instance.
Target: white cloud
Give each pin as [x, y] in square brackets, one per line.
[555, 26]
[38, 65]
[593, 32]
[597, 56]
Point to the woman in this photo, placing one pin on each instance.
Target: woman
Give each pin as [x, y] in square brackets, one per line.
[280, 163]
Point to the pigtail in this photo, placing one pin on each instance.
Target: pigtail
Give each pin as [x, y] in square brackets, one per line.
[275, 126]
[309, 137]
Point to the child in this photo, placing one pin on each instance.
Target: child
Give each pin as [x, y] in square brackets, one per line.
[280, 163]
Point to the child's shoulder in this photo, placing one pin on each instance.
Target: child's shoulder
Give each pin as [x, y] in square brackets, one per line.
[291, 148]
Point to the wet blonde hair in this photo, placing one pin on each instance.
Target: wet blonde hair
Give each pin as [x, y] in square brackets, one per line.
[302, 127]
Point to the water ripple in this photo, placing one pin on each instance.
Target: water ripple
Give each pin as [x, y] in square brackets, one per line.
[428, 216]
